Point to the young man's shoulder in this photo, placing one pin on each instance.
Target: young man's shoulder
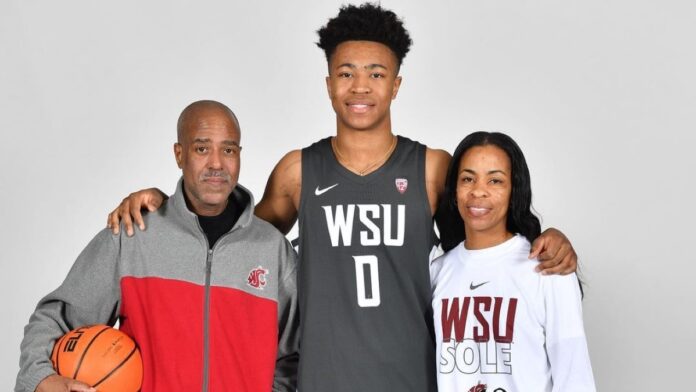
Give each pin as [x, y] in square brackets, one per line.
[437, 156]
[290, 163]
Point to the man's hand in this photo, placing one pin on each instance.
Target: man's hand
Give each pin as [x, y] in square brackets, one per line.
[555, 253]
[129, 209]
[56, 383]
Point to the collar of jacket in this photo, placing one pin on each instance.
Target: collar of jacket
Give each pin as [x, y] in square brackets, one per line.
[178, 204]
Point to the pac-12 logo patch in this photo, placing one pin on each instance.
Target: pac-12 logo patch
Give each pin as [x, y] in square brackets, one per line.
[401, 185]
[257, 277]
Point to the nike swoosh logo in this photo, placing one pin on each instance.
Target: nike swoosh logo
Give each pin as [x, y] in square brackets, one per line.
[473, 286]
[319, 192]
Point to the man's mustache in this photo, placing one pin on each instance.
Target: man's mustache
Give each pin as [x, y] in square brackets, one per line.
[215, 174]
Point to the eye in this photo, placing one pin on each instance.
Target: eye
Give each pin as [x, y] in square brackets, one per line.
[377, 75]
[466, 180]
[495, 181]
[201, 149]
[231, 150]
[344, 75]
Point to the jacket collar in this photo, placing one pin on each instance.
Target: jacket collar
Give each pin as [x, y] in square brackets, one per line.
[241, 194]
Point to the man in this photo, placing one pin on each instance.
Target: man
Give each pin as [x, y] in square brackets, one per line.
[208, 293]
[365, 201]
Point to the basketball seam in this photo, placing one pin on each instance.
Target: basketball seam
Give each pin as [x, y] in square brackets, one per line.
[135, 348]
[79, 364]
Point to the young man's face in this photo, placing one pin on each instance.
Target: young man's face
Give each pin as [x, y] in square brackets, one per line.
[362, 82]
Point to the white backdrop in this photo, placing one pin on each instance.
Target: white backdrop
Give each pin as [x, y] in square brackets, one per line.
[599, 94]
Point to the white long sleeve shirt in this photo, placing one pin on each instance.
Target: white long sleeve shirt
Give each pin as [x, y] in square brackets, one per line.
[502, 327]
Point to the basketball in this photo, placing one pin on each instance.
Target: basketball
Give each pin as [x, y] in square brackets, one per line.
[100, 356]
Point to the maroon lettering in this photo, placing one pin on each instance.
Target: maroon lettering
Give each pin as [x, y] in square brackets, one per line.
[509, 322]
[453, 316]
[481, 334]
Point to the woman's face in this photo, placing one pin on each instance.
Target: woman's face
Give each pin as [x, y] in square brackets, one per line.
[484, 185]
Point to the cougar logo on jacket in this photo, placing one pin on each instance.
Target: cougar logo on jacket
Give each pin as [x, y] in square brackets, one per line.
[257, 277]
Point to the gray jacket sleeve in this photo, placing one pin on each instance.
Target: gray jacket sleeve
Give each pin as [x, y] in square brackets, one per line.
[285, 379]
[89, 295]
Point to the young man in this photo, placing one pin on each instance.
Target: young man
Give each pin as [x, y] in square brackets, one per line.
[365, 201]
[209, 283]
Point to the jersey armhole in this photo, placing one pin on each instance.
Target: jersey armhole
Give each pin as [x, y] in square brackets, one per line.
[303, 195]
[432, 239]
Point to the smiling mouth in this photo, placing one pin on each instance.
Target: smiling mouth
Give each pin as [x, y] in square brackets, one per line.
[478, 211]
[359, 107]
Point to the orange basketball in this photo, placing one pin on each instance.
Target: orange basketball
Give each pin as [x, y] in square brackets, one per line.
[100, 356]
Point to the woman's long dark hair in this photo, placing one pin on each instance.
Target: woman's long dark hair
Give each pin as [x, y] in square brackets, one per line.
[520, 218]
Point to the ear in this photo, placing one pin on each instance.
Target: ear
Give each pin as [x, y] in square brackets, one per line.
[328, 87]
[178, 149]
[395, 88]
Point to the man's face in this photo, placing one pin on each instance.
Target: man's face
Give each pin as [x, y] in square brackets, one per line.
[208, 155]
[362, 82]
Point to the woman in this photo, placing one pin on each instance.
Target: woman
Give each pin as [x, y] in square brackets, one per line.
[499, 325]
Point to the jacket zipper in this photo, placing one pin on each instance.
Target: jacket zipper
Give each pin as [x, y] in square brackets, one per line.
[206, 318]
[206, 305]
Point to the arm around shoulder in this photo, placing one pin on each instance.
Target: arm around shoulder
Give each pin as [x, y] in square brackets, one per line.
[281, 200]
[129, 211]
[555, 253]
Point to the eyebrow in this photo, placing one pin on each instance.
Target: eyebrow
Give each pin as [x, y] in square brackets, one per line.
[225, 142]
[495, 171]
[369, 66]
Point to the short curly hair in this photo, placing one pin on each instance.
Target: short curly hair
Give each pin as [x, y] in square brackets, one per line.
[366, 22]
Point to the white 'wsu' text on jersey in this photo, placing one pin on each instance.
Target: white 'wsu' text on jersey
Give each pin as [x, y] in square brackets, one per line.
[376, 219]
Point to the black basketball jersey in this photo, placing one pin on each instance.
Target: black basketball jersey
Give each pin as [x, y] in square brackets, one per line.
[364, 283]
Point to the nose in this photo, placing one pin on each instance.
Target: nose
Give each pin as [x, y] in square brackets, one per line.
[361, 84]
[215, 160]
[478, 190]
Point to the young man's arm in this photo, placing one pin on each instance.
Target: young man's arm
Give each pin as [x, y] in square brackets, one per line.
[436, 165]
[285, 377]
[555, 253]
[552, 248]
[278, 206]
[89, 295]
[281, 200]
[129, 210]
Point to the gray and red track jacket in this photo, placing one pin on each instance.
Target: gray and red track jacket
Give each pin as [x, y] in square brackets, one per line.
[205, 320]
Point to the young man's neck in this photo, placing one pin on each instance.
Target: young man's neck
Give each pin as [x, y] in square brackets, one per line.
[363, 145]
